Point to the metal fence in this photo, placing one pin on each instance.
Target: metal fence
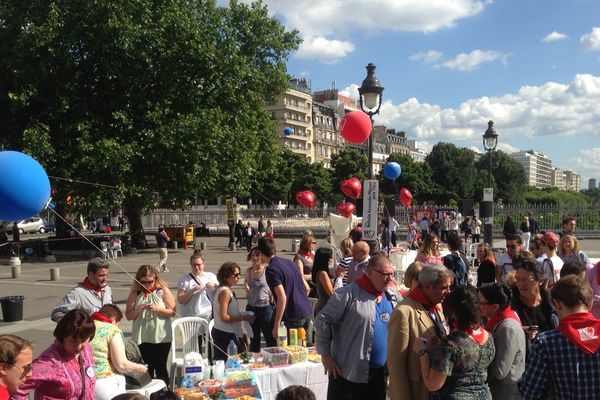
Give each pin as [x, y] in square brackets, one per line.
[549, 217]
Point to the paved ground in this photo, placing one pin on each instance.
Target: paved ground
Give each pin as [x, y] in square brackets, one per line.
[42, 294]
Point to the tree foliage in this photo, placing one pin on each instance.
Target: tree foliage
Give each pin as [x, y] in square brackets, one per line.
[146, 96]
[348, 163]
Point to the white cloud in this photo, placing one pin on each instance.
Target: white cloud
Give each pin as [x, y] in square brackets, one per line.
[324, 50]
[587, 163]
[591, 41]
[554, 37]
[339, 19]
[426, 56]
[472, 60]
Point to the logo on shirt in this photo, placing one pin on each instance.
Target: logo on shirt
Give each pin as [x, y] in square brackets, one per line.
[588, 333]
[89, 371]
[385, 317]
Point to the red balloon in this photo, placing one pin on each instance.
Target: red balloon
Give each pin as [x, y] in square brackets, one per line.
[345, 209]
[356, 127]
[352, 188]
[306, 198]
[405, 197]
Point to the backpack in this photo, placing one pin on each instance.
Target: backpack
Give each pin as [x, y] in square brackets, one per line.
[548, 270]
[134, 380]
[458, 264]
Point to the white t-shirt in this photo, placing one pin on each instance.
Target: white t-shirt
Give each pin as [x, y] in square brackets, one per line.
[200, 305]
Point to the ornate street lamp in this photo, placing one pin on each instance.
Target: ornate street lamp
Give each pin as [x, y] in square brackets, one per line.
[370, 94]
[490, 140]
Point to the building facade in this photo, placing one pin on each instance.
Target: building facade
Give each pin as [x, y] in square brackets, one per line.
[537, 167]
[559, 179]
[592, 183]
[293, 110]
[327, 139]
[572, 181]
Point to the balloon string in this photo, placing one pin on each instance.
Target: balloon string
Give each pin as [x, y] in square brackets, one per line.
[82, 182]
[115, 262]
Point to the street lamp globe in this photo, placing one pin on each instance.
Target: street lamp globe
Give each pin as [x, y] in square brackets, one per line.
[370, 92]
[490, 137]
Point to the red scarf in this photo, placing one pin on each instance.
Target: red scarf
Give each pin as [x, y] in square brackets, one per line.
[102, 318]
[583, 330]
[89, 285]
[150, 289]
[505, 313]
[306, 253]
[417, 295]
[478, 334]
[367, 285]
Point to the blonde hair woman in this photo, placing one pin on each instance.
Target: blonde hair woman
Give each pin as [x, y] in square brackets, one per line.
[568, 250]
[151, 305]
[429, 253]
[411, 276]
[306, 255]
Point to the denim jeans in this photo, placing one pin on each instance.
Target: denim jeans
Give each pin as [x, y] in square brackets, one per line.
[263, 322]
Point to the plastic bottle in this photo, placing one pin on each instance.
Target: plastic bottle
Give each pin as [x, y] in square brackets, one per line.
[232, 352]
[193, 368]
[281, 335]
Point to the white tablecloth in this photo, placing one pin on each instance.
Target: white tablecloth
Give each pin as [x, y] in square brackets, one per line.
[401, 260]
[272, 380]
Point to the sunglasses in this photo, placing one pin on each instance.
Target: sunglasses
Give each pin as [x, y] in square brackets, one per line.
[147, 282]
[237, 274]
[511, 246]
[24, 369]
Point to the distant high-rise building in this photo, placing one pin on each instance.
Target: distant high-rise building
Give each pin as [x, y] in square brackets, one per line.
[558, 179]
[537, 166]
[592, 183]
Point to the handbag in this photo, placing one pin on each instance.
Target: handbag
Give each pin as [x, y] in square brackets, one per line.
[135, 380]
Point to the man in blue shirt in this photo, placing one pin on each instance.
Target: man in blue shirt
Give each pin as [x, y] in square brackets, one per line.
[352, 333]
[288, 286]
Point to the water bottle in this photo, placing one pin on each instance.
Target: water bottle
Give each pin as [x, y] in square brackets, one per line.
[281, 335]
[232, 351]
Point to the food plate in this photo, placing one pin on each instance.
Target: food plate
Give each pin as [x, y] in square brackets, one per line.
[257, 366]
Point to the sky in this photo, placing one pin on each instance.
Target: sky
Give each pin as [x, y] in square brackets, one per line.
[450, 66]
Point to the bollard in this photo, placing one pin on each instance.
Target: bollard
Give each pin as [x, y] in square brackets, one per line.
[232, 246]
[174, 245]
[202, 245]
[295, 245]
[54, 274]
[15, 271]
[14, 261]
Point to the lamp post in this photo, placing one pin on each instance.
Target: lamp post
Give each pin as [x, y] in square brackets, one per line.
[370, 94]
[490, 140]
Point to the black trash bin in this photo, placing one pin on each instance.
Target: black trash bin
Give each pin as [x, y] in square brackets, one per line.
[12, 308]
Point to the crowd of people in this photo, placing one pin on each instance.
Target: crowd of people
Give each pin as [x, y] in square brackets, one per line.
[528, 328]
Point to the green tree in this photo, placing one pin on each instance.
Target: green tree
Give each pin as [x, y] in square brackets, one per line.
[415, 176]
[508, 177]
[348, 163]
[314, 177]
[155, 98]
[453, 170]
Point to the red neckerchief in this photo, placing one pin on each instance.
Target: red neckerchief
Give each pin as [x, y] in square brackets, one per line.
[306, 253]
[4, 394]
[478, 334]
[367, 285]
[583, 330]
[505, 313]
[89, 285]
[150, 289]
[417, 295]
[100, 317]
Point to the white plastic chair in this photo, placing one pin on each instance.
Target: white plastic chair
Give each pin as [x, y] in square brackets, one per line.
[114, 251]
[311, 320]
[189, 329]
[105, 248]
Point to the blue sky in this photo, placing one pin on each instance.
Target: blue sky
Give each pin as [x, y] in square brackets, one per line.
[449, 66]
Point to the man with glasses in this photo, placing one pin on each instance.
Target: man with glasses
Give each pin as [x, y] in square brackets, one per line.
[352, 333]
[15, 363]
[504, 265]
[418, 315]
[89, 295]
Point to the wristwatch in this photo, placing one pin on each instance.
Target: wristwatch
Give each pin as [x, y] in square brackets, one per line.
[422, 352]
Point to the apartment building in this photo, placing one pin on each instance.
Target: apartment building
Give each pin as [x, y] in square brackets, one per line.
[327, 139]
[572, 181]
[537, 167]
[293, 109]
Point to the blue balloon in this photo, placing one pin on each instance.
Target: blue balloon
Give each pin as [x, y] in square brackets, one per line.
[392, 170]
[24, 186]
[287, 131]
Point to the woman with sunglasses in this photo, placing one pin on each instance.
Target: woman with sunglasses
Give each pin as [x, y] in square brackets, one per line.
[151, 305]
[429, 253]
[226, 312]
[65, 370]
[505, 326]
[260, 301]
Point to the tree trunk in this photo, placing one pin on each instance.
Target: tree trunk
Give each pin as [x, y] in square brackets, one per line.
[138, 237]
